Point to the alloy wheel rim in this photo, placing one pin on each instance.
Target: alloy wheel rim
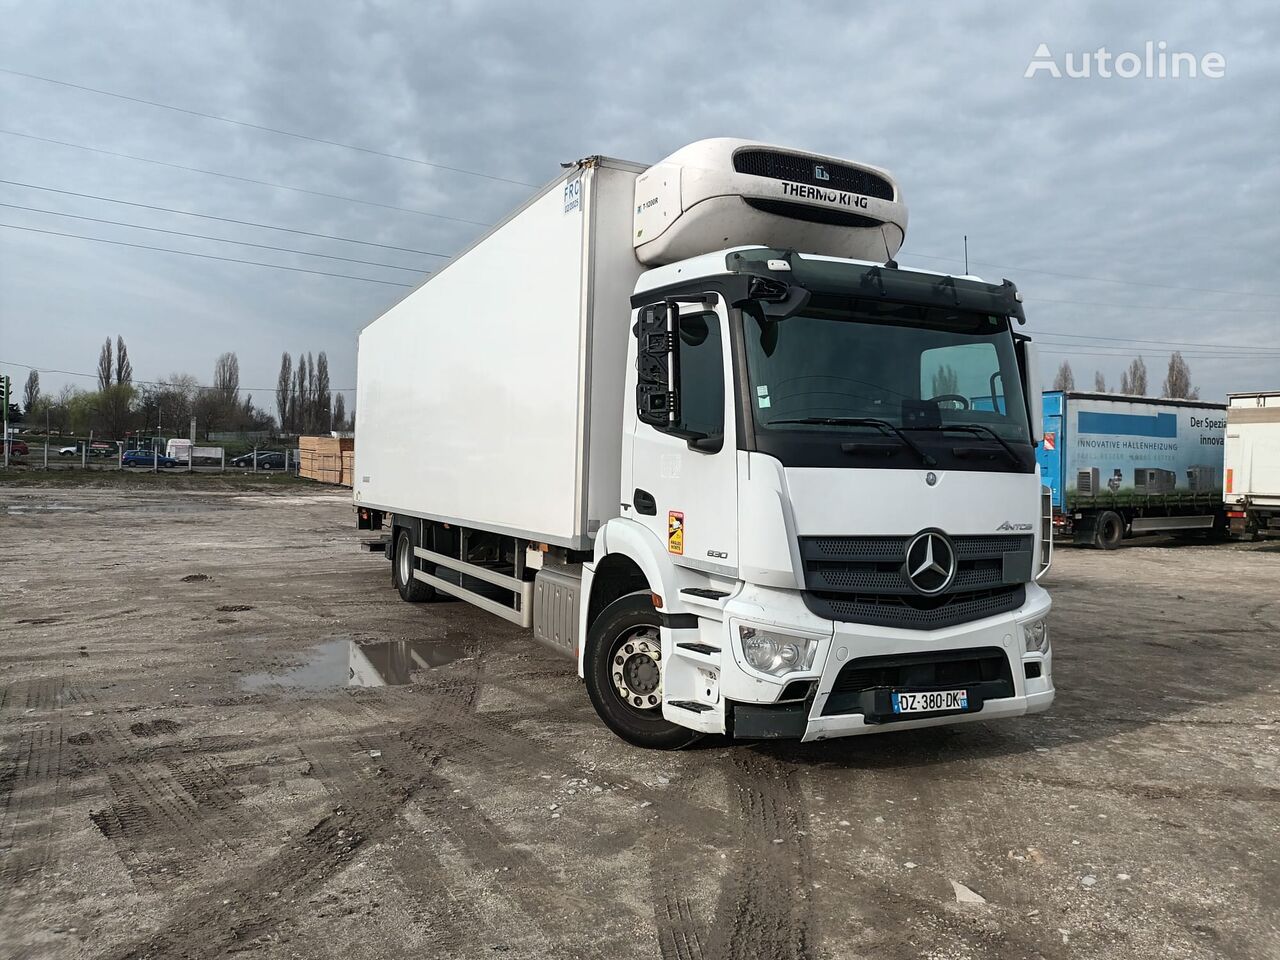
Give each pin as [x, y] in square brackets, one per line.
[635, 668]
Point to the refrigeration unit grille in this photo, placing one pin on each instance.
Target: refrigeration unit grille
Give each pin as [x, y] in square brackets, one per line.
[777, 165]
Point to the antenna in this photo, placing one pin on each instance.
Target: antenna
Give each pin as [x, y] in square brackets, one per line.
[966, 254]
[888, 257]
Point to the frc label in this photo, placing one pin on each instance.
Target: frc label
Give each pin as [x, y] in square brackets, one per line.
[675, 532]
[572, 196]
[839, 198]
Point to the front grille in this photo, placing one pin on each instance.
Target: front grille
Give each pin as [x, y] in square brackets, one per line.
[944, 671]
[788, 166]
[865, 684]
[915, 612]
[874, 565]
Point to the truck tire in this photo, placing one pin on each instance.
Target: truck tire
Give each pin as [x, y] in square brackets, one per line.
[620, 656]
[1110, 530]
[411, 589]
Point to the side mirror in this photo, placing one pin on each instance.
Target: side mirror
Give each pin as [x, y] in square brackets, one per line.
[657, 364]
[1033, 390]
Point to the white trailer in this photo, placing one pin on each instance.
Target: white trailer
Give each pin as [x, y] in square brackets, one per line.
[1251, 485]
[695, 426]
[184, 451]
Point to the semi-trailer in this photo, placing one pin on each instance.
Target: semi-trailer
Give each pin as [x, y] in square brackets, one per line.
[695, 426]
[1251, 484]
[1121, 466]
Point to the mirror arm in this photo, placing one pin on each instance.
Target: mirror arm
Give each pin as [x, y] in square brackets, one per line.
[673, 369]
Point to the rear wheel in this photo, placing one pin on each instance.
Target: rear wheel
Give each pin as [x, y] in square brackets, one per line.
[624, 674]
[403, 564]
[1110, 530]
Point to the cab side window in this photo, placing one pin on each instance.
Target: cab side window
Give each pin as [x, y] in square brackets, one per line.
[701, 386]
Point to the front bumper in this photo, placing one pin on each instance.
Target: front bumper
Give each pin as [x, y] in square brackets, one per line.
[750, 706]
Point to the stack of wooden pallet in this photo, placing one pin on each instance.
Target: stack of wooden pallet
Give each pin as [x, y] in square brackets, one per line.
[327, 459]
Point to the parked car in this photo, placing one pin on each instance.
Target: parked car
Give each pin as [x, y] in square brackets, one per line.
[95, 450]
[267, 460]
[17, 448]
[145, 458]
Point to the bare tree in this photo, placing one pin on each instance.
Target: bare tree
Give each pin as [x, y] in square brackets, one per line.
[1134, 379]
[170, 402]
[114, 410]
[124, 368]
[309, 393]
[226, 378]
[60, 409]
[1177, 382]
[339, 411]
[324, 416]
[945, 380]
[1065, 379]
[31, 392]
[1099, 382]
[301, 415]
[284, 389]
[104, 365]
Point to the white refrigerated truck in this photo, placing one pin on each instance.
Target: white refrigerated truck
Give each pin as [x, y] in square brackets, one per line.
[1251, 482]
[694, 426]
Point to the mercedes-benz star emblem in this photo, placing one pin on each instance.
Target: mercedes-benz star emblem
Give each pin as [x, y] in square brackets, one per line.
[931, 562]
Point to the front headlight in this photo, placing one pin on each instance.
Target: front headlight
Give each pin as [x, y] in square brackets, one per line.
[1035, 635]
[776, 654]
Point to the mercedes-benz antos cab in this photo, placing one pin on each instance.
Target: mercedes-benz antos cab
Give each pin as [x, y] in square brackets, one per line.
[694, 426]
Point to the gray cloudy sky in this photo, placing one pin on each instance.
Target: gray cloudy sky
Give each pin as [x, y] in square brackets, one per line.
[1171, 184]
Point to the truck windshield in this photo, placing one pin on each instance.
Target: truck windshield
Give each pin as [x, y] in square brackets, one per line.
[926, 371]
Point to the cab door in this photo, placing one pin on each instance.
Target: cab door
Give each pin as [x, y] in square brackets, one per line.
[684, 483]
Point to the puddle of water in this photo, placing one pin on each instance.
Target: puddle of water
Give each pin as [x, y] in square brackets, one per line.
[348, 663]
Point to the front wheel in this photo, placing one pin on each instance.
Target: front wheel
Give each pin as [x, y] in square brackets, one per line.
[624, 674]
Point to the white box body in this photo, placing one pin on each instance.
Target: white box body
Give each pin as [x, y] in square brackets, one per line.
[490, 396]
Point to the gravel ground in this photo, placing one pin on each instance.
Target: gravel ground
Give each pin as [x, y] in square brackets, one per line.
[195, 762]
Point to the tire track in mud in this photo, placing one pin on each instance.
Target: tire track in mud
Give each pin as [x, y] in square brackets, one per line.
[413, 730]
[32, 785]
[883, 908]
[679, 934]
[171, 808]
[368, 800]
[765, 908]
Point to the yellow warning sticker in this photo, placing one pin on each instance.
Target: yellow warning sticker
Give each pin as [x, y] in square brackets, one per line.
[675, 532]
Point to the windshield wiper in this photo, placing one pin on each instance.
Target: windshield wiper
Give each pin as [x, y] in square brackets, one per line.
[883, 426]
[980, 430]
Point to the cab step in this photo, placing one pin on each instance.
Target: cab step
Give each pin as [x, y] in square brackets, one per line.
[693, 705]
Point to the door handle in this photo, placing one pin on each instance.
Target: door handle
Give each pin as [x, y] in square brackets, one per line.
[644, 503]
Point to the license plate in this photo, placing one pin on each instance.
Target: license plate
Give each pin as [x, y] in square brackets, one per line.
[930, 702]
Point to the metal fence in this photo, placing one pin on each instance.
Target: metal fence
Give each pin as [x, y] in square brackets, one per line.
[112, 455]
